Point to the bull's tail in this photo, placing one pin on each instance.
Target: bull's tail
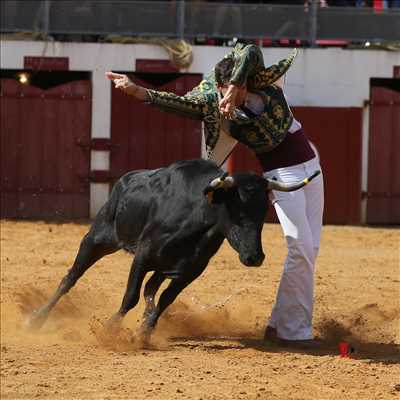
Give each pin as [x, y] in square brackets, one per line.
[110, 208]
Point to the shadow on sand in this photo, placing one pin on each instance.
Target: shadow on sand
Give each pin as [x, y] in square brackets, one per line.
[385, 353]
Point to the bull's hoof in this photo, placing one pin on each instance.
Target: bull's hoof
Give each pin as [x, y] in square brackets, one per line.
[113, 325]
[145, 331]
[144, 338]
[36, 320]
[145, 334]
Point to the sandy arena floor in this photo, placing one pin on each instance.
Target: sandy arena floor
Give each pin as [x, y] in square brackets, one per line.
[208, 346]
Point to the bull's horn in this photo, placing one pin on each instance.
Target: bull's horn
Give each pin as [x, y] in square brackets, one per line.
[289, 187]
[223, 181]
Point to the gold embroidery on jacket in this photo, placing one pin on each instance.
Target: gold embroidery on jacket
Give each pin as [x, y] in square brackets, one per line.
[262, 133]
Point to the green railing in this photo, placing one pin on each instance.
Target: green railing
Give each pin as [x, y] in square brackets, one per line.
[192, 19]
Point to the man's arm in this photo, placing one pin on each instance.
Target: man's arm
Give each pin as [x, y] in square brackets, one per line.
[248, 60]
[250, 66]
[182, 105]
[187, 105]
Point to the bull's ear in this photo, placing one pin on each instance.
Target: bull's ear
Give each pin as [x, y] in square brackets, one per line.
[216, 196]
[216, 189]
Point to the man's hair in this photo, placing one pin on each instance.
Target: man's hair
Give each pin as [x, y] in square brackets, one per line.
[223, 71]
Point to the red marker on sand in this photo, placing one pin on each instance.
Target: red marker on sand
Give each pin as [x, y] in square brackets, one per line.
[345, 349]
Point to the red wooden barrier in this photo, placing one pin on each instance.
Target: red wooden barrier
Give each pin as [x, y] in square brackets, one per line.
[43, 169]
[383, 206]
[145, 137]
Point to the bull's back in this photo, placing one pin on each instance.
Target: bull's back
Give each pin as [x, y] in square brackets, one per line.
[157, 203]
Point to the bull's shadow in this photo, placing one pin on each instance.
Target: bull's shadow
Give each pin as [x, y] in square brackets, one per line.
[371, 352]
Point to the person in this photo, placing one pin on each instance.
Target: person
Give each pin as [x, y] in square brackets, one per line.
[244, 100]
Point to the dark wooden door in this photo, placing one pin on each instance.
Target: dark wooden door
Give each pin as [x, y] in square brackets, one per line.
[144, 137]
[383, 206]
[44, 170]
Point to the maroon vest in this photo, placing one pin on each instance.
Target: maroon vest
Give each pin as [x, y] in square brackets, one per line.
[295, 149]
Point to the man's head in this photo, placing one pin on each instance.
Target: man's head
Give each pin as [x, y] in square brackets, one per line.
[223, 72]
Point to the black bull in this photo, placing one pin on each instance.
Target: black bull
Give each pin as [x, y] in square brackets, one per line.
[174, 219]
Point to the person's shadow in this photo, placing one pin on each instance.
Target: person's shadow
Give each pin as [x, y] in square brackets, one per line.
[372, 352]
[386, 353]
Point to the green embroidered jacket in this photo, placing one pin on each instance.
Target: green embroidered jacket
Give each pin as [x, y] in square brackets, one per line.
[261, 133]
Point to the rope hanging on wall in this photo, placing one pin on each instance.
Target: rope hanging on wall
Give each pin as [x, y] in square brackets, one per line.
[180, 52]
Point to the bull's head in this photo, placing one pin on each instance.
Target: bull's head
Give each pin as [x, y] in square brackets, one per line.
[246, 204]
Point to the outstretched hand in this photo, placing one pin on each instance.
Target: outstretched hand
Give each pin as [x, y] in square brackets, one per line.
[122, 82]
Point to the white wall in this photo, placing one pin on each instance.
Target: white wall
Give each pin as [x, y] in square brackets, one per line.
[319, 77]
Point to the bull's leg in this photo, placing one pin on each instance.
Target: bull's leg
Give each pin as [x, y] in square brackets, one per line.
[166, 298]
[132, 293]
[150, 290]
[89, 252]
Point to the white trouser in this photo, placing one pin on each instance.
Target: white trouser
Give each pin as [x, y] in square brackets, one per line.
[300, 214]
